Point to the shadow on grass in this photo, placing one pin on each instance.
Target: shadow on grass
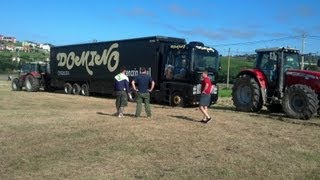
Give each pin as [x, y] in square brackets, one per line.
[113, 114]
[224, 108]
[283, 118]
[186, 118]
[273, 116]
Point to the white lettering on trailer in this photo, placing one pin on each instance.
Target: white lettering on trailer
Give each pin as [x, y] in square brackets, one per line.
[205, 48]
[178, 46]
[135, 72]
[132, 73]
[106, 58]
[63, 73]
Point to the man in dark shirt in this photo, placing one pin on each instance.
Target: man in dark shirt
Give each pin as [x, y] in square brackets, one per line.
[143, 81]
[121, 88]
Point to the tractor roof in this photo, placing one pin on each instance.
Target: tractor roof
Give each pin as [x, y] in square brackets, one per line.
[274, 49]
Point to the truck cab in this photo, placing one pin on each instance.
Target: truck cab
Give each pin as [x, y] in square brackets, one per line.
[183, 66]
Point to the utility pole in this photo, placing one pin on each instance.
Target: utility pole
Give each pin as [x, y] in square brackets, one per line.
[302, 49]
[228, 69]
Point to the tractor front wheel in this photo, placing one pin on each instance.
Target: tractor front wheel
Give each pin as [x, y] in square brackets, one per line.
[246, 94]
[300, 102]
[15, 84]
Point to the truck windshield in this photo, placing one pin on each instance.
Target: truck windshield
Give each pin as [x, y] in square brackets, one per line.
[205, 60]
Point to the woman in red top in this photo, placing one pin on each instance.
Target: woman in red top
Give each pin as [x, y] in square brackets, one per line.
[206, 88]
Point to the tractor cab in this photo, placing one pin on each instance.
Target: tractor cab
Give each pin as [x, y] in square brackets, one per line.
[34, 68]
[274, 62]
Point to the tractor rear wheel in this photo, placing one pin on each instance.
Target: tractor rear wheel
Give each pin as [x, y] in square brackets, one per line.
[300, 102]
[32, 84]
[16, 85]
[246, 94]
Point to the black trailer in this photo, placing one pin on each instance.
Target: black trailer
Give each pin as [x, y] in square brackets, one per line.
[174, 64]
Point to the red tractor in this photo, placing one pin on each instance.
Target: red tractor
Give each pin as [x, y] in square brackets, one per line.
[32, 76]
[278, 82]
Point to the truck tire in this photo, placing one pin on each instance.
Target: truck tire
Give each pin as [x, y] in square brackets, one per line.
[31, 83]
[300, 102]
[177, 99]
[76, 89]
[85, 90]
[67, 88]
[15, 84]
[274, 108]
[246, 94]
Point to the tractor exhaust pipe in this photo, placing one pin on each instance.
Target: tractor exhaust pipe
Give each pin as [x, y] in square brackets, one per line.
[281, 75]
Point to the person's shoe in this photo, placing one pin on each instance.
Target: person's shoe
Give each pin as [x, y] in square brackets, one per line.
[148, 117]
[203, 121]
[120, 115]
[206, 120]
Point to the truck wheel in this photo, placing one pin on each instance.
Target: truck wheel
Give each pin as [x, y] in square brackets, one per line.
[15, 85]
[300, 102]
[85, 90]
[274, 108]
[177, 99]
[76, 89]
[246, 94]
[67, 88]
[32, 84]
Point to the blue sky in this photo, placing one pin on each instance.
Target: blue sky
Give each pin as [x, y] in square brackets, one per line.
[239, 25]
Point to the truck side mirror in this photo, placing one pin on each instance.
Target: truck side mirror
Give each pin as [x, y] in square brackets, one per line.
[318, 63]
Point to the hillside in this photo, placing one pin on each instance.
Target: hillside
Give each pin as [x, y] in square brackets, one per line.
[236, 65]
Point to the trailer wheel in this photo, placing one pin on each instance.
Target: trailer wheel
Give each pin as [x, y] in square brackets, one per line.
[32, 84]
[300, 102]
[67, 88]
[76, 89]
[177, 99]
[15, 85]
[246, 94]
[85, 90]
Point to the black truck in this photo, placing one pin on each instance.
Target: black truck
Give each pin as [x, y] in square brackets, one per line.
[174, 64]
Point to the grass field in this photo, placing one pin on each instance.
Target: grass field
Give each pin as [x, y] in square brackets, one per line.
[57, 136]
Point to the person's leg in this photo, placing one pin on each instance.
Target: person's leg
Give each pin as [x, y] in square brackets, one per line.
[147, 104]
[139, 105]
[118, 99]
[123, 103]
[206, 110]
[203, 112]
